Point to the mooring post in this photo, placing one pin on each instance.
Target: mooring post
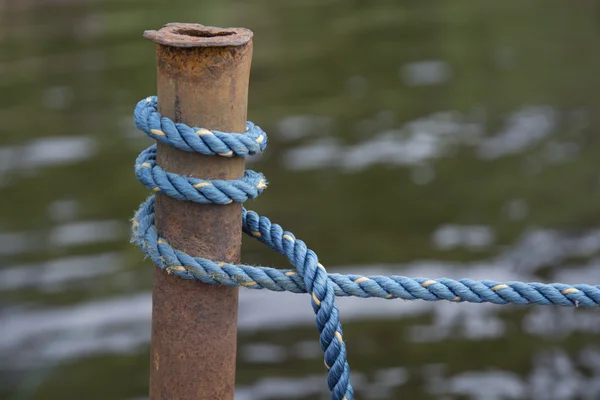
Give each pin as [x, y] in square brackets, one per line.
[203, 75]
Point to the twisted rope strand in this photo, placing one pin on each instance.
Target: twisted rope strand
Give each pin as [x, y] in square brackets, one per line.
[384, 287]
[197, 140]
[197, 190]
[309, 275]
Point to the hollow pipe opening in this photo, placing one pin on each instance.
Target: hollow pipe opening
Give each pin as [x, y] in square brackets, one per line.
[194, 32]
[196, 35]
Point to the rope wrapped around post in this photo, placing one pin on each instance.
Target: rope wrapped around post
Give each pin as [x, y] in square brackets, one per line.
[309, 275]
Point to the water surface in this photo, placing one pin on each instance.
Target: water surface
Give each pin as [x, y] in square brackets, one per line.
[426, 138]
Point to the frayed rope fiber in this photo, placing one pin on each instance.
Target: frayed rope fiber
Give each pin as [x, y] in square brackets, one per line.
[309, 275]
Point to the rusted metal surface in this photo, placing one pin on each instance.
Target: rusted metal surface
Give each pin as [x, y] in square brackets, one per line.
[196, 35]
[203, 75]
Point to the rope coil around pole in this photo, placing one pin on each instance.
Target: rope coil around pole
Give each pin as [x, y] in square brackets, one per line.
[309, 275]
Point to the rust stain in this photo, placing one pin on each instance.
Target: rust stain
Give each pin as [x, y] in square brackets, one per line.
[197, 35]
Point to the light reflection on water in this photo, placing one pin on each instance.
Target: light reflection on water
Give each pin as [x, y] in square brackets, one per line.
[473, 237]
[70, 234]
[47, 152]
[480, 135]
[431, 137]
[554, 377]
[57, 274]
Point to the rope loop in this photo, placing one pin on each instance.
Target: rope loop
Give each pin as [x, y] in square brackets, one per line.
[197, 190]
[197, 140]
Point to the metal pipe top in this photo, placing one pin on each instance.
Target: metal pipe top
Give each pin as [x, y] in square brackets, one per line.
[195, 35]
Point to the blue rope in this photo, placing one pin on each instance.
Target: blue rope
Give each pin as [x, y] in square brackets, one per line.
[309, 276]
[197, 140]
[193, 189]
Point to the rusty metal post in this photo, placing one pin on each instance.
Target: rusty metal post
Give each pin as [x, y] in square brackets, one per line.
[203, 75]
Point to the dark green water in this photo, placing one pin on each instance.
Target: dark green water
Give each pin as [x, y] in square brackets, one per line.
[422, 138]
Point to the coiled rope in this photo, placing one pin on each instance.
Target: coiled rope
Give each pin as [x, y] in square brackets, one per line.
[309, 276]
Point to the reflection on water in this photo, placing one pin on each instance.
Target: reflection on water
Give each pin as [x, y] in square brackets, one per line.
[554, 376]
[298, 126]
[431, 139]
[69, 234]
[55, 274]
[473, 237]
[425, 73]
[414, 143]
[25, 161]
[523, 129]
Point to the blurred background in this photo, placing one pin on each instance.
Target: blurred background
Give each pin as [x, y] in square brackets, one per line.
[421, 138]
